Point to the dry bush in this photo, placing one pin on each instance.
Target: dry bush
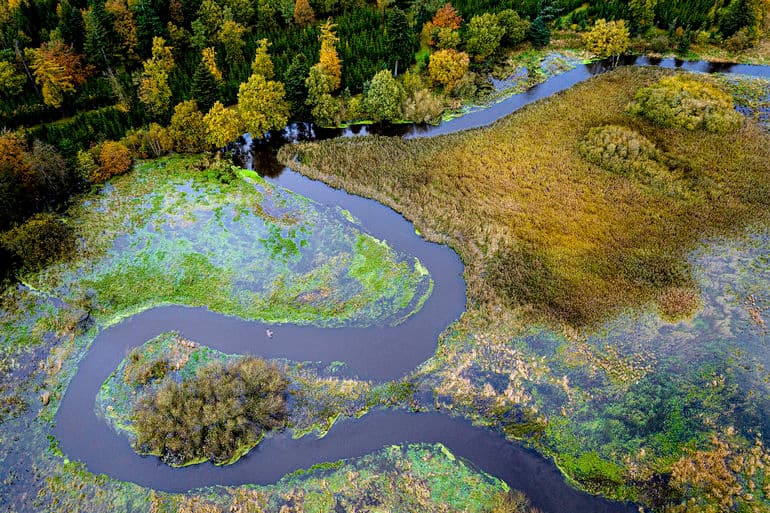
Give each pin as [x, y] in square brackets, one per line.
[678, 303]
[114, 159]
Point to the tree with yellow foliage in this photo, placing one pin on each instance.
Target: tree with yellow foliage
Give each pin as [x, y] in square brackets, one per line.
[154, 91]
[329, 61]
[447, 67]
[607, 39]
[261, 105]
[223, 125]
[125, 28]
[262, 63]
[209, 57]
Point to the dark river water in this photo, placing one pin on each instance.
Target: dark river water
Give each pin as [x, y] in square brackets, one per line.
[376, 353]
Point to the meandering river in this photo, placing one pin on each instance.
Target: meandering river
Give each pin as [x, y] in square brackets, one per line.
[377, 353]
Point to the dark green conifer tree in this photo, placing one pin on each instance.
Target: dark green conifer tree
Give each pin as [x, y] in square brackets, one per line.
[400, 39]
[539, 33]
[205, 89]
[294, 84]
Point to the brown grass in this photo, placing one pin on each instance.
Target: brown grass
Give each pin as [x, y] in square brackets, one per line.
[540, 227]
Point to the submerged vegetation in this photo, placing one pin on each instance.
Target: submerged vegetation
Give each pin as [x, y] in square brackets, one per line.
[178, 230]
[561, 235]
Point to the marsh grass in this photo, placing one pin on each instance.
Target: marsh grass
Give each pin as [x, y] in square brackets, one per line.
[540, 227]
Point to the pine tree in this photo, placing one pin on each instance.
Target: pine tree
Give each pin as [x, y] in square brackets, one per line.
[71, 25]
[148, 25]
[205, 88]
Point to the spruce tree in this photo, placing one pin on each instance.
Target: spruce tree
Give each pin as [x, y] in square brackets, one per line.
[294, 82]
[539, 32]
[205, 88]
[400, 39]
[148, 25]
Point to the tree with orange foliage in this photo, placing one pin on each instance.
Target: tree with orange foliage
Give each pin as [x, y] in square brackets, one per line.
[114, 158]
[442, 29]
[57, 69]
[303, 13]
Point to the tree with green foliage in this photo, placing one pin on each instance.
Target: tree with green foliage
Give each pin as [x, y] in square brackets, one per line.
[71, 27]
[39, 241]
[743, 14]
[148, 25]
[384, 97]
[230, 36]
[205, 87]
[642, 14]
[515, 27]
[223, 125]
[483, 36]
[187, 128]
[607, 39]
[324, 108]
[539, 32]
[11, 82]
[400, 39]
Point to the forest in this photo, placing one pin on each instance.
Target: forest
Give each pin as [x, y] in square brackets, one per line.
[88, 85]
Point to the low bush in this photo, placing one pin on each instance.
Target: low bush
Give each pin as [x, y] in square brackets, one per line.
[214, 415]
[140, 370]
[618, 149]
[684, 101]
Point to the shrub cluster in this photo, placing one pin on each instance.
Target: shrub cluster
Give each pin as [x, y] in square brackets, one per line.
[687, 102]
[214, 415]
[618, 149]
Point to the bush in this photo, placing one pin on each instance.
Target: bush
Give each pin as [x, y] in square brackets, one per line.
[39, 241]
[618, 149]
[423, 107]
[140, 370]
[214, 415]
[114, 159]
[687, 102]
